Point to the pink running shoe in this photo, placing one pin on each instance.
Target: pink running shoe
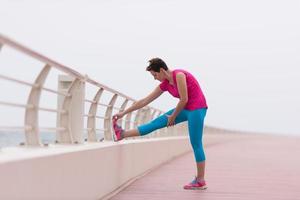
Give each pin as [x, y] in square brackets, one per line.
[118, 131]
[196, 185]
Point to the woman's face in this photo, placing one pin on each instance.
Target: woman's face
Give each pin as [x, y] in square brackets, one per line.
[157, 75]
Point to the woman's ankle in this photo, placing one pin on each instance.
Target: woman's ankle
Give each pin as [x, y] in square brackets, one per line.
[200, 179]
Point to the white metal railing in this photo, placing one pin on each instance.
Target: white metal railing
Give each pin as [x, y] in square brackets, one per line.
[31, 121]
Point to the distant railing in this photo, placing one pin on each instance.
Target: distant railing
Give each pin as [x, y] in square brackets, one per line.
[64, 130]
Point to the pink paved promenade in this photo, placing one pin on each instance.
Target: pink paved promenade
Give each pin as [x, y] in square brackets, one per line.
[240, 167]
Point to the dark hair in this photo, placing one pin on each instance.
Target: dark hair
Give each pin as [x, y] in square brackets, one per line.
[156, 64]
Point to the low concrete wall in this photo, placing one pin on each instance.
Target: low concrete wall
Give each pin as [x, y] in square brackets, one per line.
[83, 172]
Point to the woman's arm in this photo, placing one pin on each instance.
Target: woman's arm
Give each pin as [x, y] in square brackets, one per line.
[141, 103]
[182, 90]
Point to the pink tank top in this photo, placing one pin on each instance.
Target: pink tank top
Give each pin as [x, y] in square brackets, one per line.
[196, 99]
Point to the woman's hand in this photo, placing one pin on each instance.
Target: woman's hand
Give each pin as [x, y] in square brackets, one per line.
[118, 115]
[171, 120]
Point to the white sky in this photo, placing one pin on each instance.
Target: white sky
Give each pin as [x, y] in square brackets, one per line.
[245, 54]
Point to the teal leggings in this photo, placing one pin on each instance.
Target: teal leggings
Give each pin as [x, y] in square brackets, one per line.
[195, 120]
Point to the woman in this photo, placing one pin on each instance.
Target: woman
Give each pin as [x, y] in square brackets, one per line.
[191, 107]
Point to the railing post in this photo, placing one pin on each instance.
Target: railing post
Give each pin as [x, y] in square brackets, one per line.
[137, 118]
[153, 114]
[31, 113]
[147, 116]
[72, 119]
[108, 116]
[142, 116]
[123, 106]
[91, 121]
[77, 111]
[128, 120]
